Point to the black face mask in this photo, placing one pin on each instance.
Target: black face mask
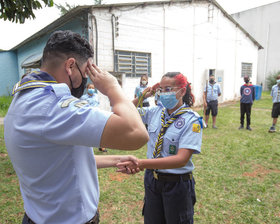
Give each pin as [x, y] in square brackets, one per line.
[212, 81]
[246, 81]
[78, 92]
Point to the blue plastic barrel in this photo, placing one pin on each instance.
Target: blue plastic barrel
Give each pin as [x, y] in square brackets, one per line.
[258, 92]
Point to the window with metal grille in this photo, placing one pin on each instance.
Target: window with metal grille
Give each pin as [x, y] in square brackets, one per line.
[133, 64]
[246, 69]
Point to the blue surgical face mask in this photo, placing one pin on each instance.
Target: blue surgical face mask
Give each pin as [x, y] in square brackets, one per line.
[91, 91]
[169, 100]
[278, 81]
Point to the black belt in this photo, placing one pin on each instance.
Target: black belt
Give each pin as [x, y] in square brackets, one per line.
[94, 220]
[172, 177]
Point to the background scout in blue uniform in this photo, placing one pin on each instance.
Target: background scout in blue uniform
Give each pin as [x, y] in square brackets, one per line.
[139, 89]
[211, 100]
[275, 93]
[91, 95]
[169, 184]
[247, 92]
[49, 133]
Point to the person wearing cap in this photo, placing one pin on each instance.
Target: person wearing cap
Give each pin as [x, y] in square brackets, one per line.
[49, 133]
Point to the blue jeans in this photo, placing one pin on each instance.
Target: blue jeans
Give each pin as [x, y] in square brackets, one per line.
[168, 202]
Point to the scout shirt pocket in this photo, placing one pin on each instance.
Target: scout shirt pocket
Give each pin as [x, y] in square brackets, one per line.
[171, 144]
[153, 131]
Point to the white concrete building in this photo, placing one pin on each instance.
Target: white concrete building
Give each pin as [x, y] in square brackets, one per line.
[263, 23]
[195, 37]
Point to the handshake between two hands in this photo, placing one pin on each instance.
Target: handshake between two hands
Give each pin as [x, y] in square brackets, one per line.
[128, 165]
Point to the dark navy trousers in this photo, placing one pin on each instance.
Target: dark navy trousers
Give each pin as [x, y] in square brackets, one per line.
[168, 202]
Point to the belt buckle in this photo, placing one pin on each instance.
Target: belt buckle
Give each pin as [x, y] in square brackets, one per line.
[155, 175]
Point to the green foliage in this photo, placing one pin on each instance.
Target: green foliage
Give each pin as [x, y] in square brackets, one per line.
[97, 2]
[4, 104]
[18, 11]
[271, 79]
[236, 174]
[64, 9]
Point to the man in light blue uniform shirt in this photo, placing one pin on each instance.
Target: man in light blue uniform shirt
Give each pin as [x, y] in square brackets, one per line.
[49, 133]
[275, 93]
[210, 99]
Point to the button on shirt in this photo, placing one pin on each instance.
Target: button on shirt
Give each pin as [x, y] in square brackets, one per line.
[213, 92]
[49, 136]
[275, 93]
[92, 100]
[179, 135]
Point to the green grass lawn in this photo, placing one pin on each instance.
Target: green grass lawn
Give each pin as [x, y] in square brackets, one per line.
[237, 175]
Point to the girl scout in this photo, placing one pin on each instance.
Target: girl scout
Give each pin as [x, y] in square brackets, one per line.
[175, 134]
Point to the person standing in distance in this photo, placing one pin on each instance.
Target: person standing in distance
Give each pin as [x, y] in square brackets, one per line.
[211, 100]
[139, 89]
[175, 135]
[49, 133]
[91, 97]
[275, 93]
[247, 92]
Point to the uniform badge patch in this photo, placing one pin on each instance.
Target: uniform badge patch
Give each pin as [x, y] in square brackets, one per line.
[172, 149]
[196, 128]
[247, 91]
[179, 123]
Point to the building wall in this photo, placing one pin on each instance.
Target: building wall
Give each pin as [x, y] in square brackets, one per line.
[185, 37]
[263, 24]
[8, 72]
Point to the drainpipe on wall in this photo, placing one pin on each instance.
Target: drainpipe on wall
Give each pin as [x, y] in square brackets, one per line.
[113, 19]
[96, 40]
[163, 41]
[265, 56]
[194, 25]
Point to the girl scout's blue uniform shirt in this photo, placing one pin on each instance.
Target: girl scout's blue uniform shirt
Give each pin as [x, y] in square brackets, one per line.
[49, 135]
[92, 100]
[138, 90]
[185, 132]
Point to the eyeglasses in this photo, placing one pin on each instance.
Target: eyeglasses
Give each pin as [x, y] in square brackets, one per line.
[167, 89]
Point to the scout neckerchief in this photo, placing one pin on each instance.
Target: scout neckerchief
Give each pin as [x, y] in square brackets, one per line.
[158, 146]
[33, 80]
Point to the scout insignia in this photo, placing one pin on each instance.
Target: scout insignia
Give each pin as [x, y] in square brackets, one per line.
[196, 128]
[172, 149]
[179, 123]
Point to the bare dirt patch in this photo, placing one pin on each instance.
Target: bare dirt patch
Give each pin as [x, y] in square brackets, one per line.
[260, 172]
[3, 155]
[118, 176]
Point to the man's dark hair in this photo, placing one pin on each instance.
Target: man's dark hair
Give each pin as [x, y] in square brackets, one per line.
[66, 44]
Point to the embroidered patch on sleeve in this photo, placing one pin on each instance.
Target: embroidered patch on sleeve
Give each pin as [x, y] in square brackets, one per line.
[196, 128]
